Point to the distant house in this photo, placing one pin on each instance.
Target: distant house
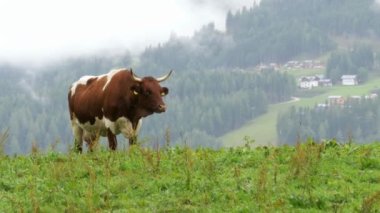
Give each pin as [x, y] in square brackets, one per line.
[324, 105]
[334, 100]
[272, 65]
[371, 96]
[308, 82]
[349, 80]
[340, 101]
[308, 64]
[325, 82]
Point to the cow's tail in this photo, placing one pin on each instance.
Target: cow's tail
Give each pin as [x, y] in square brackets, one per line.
[70, 102]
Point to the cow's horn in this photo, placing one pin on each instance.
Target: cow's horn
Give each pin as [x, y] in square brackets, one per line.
[163, 78]
[138, 79]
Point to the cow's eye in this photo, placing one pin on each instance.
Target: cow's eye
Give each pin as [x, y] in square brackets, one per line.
[163, 93]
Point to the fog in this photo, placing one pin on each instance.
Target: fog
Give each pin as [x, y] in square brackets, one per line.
[42, 30]
[377, 5]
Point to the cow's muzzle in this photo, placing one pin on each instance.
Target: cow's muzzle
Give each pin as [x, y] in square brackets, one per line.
[161, 108]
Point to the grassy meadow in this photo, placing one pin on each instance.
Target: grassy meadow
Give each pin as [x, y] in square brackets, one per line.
[310, 177]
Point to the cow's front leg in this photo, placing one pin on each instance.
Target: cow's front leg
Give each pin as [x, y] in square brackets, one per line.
[92, 140]
[112, 141]
[134, 132]
[132, 140]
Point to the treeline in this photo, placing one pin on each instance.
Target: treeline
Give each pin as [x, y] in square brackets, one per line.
[274, 31]
[358, 61]
[207, 49]
[356, 120]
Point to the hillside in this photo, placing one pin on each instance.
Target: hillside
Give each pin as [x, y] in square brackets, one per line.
[263, 128]
[311, 177]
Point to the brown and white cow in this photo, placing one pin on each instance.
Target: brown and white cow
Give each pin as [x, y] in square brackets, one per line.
[114, 103]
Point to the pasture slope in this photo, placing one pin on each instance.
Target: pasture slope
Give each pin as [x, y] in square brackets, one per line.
[309, 177]
[263, 128]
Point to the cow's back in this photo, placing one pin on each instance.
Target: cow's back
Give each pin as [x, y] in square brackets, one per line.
[86, 98]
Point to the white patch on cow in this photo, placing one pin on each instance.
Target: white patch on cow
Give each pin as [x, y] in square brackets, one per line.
[99, 128]
[110, 75]
[138, 126]
[82, 81]
[124, 126]
[110, 125]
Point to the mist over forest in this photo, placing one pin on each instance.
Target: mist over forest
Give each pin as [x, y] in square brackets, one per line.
[217, 85]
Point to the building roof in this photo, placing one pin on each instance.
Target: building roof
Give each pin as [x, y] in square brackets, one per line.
[334, 96]
[348, 77]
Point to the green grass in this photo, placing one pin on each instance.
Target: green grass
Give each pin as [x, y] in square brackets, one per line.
[263, 128]
[311, 177]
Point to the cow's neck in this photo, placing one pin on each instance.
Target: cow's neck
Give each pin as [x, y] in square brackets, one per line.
[135, 114]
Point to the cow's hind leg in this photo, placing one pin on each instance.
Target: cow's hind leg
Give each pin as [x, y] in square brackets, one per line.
[78, 137]
[112, 141]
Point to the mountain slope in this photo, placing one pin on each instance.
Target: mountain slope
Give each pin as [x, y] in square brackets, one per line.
[263, 128]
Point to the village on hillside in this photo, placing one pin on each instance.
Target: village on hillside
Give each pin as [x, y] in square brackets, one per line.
[319, 80]
[309, 82]
[340, 101]
[305, 64]
[312, 81]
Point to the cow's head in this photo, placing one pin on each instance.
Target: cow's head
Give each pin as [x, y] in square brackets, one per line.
[149, 93]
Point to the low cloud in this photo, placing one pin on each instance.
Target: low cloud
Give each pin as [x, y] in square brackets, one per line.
[376, 5]
[28, 89]
[43, 30]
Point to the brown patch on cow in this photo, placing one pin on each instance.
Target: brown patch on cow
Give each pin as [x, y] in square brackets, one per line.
[89, 81]
[86, 103]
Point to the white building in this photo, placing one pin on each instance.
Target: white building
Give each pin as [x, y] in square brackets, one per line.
[308, 82]
[325, 82]
[349, 80]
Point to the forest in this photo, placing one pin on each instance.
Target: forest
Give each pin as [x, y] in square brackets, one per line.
[357, 120]
[359, 61]
[215, 86]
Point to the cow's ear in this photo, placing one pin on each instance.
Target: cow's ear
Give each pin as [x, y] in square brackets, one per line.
[135, 89]
[164, 91]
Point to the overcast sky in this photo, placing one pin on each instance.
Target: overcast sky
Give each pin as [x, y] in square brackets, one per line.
[40, 30]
